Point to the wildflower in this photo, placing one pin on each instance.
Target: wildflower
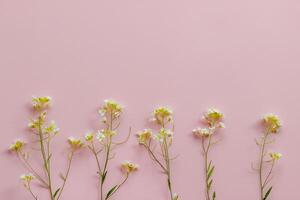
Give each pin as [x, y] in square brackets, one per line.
[27, 178]
[162, 113]
[202, 132]
[89, 137]
[17, 145]
[213, 116]
[112, 107]
[163, 134]
[100, 136]
[272, 122]
[51, 128]
[144, 136]
[75, 143]
[129, 167]
[40, 103]
[275, 156]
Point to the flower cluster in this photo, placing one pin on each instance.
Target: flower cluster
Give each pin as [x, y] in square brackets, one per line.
[129, 166]
[27, 178]
[214, 118]
[144, 136]
[40, 103]
[272, 123]
[75, 143]
[275, 156]
[162, 115]
[17, 145]
[111, 109]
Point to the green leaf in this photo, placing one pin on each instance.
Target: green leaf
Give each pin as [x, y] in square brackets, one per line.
[56, 192]
[209, 184]
[209, 173]
[209, 165]
[103, 176]
[268, 193]
[214, 196]
[110, 192]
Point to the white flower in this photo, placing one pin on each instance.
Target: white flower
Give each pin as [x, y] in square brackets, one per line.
[203, 132]
[100, 136]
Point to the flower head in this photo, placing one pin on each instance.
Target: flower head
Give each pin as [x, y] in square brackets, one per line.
[213, 116]
[161, 114]
[275, 156]
[163, 134]
[75, 143]
[17, 145]
[144, 136]
[111, 107]
[129, 167]
[272, 122]
[40, 103]
[27, 178]
[51, 128]
[100, 136]
[203, 132]
[89, 136]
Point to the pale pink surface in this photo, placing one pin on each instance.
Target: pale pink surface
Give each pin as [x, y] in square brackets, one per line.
[240, 56]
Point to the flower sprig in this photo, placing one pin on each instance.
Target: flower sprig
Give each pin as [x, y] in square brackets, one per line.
[101, 144]
[162, 116]
[213, 118]
[44, 132]
[272, 125]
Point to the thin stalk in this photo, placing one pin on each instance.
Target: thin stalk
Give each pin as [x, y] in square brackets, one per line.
[32, 170]
[155, 158]
[45, 160]
[262, 154]
[66, 175]
[118, 187]
[109, 142]
[167, 161]
[206, 165]
[31, 192]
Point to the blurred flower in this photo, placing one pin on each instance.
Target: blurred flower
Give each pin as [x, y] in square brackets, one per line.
[41, 102]
[203, 132]
[27, 178]
[51, 128]
[144, 136]
[89, 136]
[162, 113]
[129, 167]
[111, 107]
[275, 156]
[163, 134]
[272, 122]
[100, 136]
[213, 116]
[17, 145]
[75, 143]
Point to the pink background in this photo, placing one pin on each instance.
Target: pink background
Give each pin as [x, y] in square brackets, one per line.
[240, 56]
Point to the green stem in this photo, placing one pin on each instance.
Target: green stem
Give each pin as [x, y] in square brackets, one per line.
[67, 174]
[262, 153]
[205, 151]
[118, 187]
[45, 160]
[109, 142]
